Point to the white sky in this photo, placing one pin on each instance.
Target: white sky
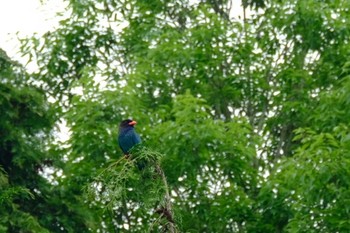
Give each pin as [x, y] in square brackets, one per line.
[26, 17]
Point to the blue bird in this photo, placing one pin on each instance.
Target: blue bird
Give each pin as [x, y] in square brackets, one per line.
[127, 137]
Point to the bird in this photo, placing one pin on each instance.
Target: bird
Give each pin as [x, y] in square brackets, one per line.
[127, 137]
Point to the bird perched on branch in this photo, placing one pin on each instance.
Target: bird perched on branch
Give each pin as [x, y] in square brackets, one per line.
[128, 138]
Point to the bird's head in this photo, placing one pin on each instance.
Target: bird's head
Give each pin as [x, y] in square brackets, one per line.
[127, 123]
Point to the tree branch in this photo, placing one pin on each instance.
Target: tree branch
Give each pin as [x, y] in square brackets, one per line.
[166, 210]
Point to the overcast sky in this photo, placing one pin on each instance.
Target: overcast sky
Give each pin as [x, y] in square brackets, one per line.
[25, 17]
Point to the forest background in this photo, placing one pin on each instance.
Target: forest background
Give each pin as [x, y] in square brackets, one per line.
[247, 117]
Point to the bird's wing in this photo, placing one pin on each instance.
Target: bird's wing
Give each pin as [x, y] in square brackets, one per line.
[119, 142]
[136, 138]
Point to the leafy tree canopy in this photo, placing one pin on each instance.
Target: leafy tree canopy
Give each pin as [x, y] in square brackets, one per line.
[247, 118]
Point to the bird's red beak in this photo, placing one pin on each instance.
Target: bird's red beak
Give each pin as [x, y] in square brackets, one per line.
[133, 123]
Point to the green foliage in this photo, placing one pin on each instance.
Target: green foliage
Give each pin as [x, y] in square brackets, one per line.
[307, 193]
[209, 159]
[308, 188]
[134, 186]
[25, 122]
[131, 178]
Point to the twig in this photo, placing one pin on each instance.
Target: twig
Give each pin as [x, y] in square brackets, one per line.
[167, 211]
[113, 164]
[153, 224]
